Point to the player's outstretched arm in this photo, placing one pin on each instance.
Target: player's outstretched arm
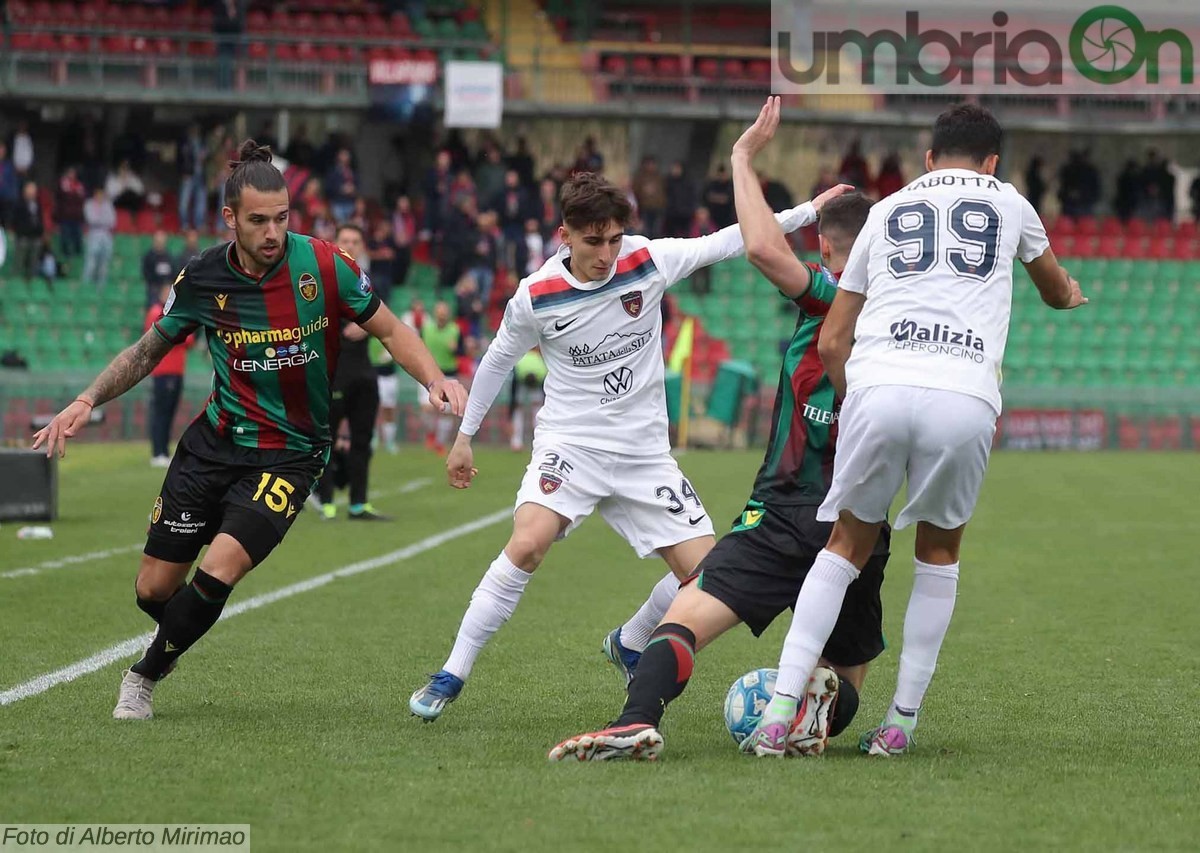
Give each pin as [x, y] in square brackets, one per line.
[126, 370]
[766, 247]
[837, 336]
[1057, 288]
[410, 352]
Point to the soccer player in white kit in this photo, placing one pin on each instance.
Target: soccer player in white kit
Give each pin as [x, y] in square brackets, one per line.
[914, 340]
[600, 441]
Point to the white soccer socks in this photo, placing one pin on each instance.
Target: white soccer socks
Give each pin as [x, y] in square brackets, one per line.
[635, 634]
[492, 603]
[925, 624]
[817, 608]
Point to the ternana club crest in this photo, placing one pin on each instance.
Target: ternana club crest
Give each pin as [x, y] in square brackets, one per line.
[549, 484]
[308, 287]
[632, 303]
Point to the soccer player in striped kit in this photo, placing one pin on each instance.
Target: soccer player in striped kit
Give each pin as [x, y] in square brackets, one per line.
[271, 304]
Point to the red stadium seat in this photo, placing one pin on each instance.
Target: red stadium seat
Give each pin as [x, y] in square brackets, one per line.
[614, 64]
[400, 25]
[258, 51]
[160, 18]
[1160, 248]
[333, 53]
[1185, 249]
[668, 66]
[354, 24]
[1113, 247]
[258, 21]
[1111, 227]
[1064, 246]
[1065, 225]
[23, 41]
[166, 46]
[304, 23]
[733, 69]
[708, 68]
[642, 66]
[307, 52]
[330, 24]
[119, 44]
[1162, 228]
[285, 52]
[759, 70]
[1186, 229]
[202, 49]
[72, 43]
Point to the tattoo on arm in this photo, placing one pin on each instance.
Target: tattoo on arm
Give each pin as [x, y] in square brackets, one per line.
[129, 368]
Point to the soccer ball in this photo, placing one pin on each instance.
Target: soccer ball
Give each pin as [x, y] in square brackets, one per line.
[746, 700]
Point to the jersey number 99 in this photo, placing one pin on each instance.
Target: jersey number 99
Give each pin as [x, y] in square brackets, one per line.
[913, 228]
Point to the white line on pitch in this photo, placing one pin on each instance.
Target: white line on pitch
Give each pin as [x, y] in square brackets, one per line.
[76, 559]
[135, 645]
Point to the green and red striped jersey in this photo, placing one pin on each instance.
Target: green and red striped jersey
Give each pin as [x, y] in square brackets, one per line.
[274, 338]
[798, 466]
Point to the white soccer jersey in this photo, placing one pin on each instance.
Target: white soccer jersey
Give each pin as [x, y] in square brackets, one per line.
[602, 341]
[935, 261]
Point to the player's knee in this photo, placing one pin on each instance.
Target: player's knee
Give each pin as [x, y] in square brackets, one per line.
[155, 585]
[526, 551]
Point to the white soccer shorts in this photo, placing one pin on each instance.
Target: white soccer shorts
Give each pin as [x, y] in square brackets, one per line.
[940, 439]
[646, 500]
[389, 391]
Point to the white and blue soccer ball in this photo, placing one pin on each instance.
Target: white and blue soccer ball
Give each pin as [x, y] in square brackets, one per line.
[747, 700]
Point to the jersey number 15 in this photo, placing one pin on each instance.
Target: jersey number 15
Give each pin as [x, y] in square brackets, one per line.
[913, 228]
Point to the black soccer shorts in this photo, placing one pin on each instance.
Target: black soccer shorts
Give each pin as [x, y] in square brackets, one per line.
[757, 570]
[214, 486]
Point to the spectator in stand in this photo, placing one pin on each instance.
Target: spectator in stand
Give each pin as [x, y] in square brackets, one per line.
[681, 201]
[549, 216]
[228, 25]
[521, 162]
[651, 192]
[191, 156]
[404, 235]
[487, 253]
[593, 160]
[718, 197]
[221, 149]
[101, 218]
[341, 187]
[1194, 195]
[22, 149]
[1129, 187]
[514, 208]
[436, 188]
[359, 218]
[10, 186]
[826, 180]
[535, 248]
[890, 178]
[324, 226]
[1150, 205]
[381, 251]
[468, 310]
[701, 224]
[49, 266]
[125, 188]
[1035, 184]
[91, 170]
[158, 268]
[1159, 203]
[191, 248]
[28, 229]
[463, 188]
[68, 212]
[776, 193]
[458, 244]
[311, 200]
[854, 169]
[489, 175]
[168, 386]
[1078, 185]
[300, 151]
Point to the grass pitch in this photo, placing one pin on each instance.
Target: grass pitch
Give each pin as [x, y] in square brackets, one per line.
[1063, 715]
